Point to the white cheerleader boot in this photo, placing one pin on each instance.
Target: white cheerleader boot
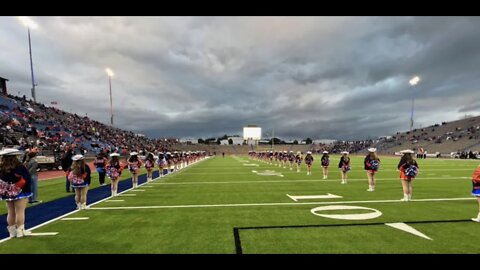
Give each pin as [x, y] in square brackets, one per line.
[12, 230]
[20, 231]
[477, 219]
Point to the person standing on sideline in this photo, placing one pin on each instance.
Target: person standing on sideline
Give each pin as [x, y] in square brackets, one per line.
[309, 162]
[80, 176]
[476, 190]
[325, 163]
[408, 170]
[372, 163]
[114, 170]
[100, 164]
[344, 166]
[15, 189]
[66, 164]
[149, 165]
[32, 166]
[134, 165]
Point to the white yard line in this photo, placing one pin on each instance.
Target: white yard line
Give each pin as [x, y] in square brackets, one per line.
[272, 204]
[299, 180]
[75, 218]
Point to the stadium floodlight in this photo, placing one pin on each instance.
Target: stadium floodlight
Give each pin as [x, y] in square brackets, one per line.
[110, 75]
[413, 82]
[29, 23]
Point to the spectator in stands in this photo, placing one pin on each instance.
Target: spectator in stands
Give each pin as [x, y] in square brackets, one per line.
[32, 166]
[114, 171]
[100, 164]
[371, 165]
[408, 171]
[80, 176]
[325, 163]
[476, 190]
[344, 166]
[66, 163]
[14, 189]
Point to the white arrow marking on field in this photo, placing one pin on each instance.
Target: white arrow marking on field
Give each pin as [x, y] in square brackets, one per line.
[407, 228]
[328, 196]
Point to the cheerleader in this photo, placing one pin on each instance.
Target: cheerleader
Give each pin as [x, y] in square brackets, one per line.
[114, 170]
[15, 189]
[309, 162]
[149, 165]
[284, 159]
[476, 190]
[325, 163]
[134, 165]
[162, 163]
[344, 166]
[371, 165]
[100, 164]
[79, 176]
[408, 170]
[298, 160]
[291, 159]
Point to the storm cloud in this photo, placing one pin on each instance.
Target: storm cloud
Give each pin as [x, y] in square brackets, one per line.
[191, 77]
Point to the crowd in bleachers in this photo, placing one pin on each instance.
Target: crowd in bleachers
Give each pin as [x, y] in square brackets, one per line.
[339, 146]
[27, 124]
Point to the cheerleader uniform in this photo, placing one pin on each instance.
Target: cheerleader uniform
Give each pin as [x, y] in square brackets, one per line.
[403, 166]
[114, 171]
[15, 185]
[82, 180]
[344, 164]
[369, 164]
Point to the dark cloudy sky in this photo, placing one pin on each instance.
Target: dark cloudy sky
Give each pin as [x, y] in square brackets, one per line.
[191, 77]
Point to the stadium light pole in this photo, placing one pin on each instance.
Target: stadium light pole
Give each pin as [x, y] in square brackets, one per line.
[110, 75]
[413, 81]
[29, 23]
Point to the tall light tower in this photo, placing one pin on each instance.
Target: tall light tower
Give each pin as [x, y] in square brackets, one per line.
[414, 81]
[110, 75]
[29, 23]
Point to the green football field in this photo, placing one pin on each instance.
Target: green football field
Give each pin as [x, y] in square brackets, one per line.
[238, 205]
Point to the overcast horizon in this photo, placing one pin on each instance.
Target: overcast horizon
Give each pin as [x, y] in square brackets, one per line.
[342, 78]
